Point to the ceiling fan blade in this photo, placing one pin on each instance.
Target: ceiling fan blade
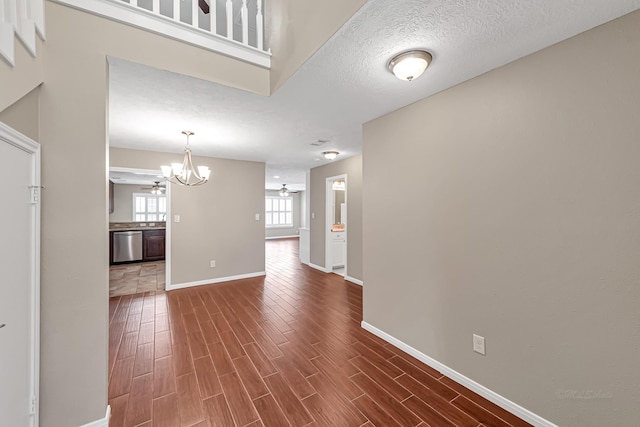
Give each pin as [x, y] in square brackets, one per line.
[204, 6]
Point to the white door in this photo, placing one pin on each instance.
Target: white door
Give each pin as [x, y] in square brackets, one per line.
[18, 280]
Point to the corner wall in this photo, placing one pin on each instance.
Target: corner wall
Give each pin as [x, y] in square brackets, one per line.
[73, 134]
[297, 29]
[518, 221]
[352, 167]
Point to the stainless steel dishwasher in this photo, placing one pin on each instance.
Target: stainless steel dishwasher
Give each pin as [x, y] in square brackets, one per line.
[127, 246]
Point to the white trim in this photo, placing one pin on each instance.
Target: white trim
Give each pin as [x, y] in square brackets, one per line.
[354, 280]
[103, 422]
[22, 142]
[141, 18]
[281, 237]
[216, 280]
[318, 267]
[483, 391]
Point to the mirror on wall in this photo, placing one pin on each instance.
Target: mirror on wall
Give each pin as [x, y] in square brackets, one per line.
[339, 210]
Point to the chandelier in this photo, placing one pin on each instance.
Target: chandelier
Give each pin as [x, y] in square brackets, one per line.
[284, 191]
[185, 173]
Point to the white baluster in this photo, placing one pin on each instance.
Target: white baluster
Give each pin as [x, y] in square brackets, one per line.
[229, 20]
[260, 27]
[194, 13]
[213, 16]
[156, 7]
[244, 13]
[176, 10]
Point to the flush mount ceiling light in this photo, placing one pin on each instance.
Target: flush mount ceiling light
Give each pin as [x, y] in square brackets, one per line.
[330, 155]
[410, 65]
[284, 191]
[185, 173]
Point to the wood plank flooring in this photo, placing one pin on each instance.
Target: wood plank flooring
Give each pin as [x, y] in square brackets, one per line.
[282, 350]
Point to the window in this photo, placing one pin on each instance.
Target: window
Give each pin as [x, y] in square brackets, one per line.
[149, 207]
[278, 212]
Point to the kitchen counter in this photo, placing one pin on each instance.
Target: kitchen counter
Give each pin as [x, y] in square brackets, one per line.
[136, 226]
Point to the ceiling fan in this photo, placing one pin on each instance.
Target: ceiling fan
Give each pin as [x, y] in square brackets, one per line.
[156, 188]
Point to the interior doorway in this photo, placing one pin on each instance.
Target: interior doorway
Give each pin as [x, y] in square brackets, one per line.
[336, 242]
[140, 203]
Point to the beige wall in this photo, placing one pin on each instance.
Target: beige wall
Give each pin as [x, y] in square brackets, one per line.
[123, 201]
[519, 222]
[217, 219]
[26, 75]
[352, 167]
[295, 30]
[24, 115]
[73, 134]
[291, 231]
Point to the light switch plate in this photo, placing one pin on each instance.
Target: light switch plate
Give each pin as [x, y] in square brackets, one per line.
[257, 217]
[176, 218]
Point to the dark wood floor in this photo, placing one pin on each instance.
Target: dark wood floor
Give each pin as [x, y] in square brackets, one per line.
[282, 350]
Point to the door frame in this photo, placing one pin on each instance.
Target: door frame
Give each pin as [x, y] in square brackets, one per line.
[328, 203]
[167, 224]
[26, 144]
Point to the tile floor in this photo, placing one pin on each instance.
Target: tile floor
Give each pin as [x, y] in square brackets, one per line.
[286, 349]
[128, 279]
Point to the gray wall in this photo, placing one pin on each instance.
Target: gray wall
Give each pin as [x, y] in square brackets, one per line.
[352, 167]
[73, 131]
[520, 222]
[295, 230]
[123, 201]
[217, 219]
[24, 115]
[27, 74]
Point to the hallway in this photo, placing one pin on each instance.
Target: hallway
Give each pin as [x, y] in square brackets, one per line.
[285, 349]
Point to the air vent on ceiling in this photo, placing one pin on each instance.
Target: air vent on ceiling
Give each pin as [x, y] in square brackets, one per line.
[320, 142]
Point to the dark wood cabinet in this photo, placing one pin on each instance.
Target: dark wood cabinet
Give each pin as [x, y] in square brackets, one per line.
[110, 196]
[153, 245]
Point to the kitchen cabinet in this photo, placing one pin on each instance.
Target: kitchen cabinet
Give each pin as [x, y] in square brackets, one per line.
[338, 249]
[153, 245]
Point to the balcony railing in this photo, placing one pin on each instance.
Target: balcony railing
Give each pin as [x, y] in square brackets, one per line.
[231, 27]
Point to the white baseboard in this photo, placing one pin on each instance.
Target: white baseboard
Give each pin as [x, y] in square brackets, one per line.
[216, 280]
[103, 422]
[354, 280]
[317, 267]
[490, 395]
[282, 237]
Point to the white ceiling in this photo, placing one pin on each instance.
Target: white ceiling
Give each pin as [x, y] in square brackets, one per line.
[344, 84]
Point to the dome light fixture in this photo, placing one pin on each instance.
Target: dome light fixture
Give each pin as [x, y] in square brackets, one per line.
[330, 155]
[284, 191]
[410, 65]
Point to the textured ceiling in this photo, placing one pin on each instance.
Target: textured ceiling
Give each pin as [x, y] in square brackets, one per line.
[343, 85]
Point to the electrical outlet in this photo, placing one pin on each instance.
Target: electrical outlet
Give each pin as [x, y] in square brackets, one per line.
[257, 217]
[313, 215]
[212, 263]
[176, 218]
[478, 344]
